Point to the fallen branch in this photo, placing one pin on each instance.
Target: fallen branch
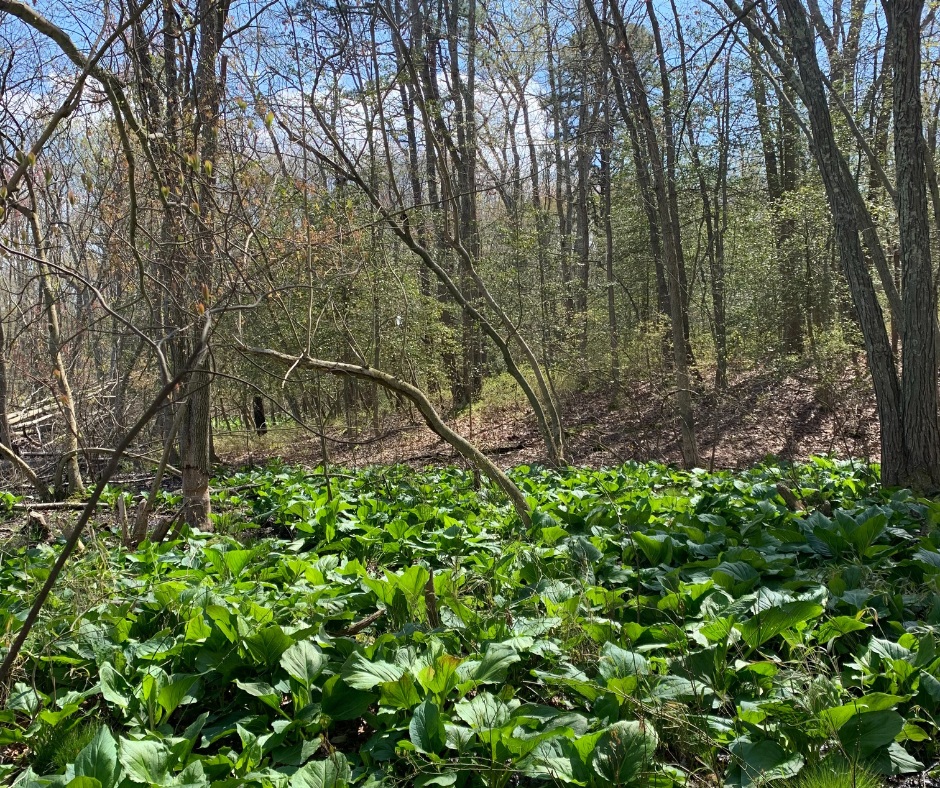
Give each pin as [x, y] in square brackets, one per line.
[355, 629]
[23, 467]
[40, 505]
[63, 458]
[470, 452]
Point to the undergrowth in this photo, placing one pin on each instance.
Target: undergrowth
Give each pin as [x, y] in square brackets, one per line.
[653, 627]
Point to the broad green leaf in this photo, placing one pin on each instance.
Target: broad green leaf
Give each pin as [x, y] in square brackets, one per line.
[443, 779]
[737, 578]
[427, 728]
[838, 626]
[835, 717]
[237, 560]
[615, 662]
[411, 583]
[864, 733]
[99, 759]
[113, 686]
[24, 698]
[441, 677]
[769, 623]
[498, 657]
[303, 661]
[145, 761]
[624, 750]
[268, 645]
[330, 773]
[401, 694]
[83, 782]
[358, 672]
[754, 763]
[171, 695]
[894, 759]
[658, 549]
[483, 711]
[342, 702]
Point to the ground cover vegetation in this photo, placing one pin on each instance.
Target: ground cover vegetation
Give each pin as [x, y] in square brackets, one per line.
[649, 626]
[653, 230]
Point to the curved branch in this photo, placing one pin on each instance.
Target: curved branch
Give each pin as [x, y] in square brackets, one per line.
[470, 452]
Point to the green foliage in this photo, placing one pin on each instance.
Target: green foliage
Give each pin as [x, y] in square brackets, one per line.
[834, 774]
[408, 629]
[60, 744]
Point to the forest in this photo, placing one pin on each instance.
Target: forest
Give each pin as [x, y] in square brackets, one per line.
[473, 393]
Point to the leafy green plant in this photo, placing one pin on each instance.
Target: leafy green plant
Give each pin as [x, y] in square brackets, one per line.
[411, 630]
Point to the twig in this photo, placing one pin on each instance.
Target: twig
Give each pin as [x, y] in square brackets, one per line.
[355, 629]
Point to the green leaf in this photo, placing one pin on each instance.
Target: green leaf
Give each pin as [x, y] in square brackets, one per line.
[330, 773]
[237, 560]
[411, 583]
[303, 661]
[863, 734]
[835, 717]
[171, 695]
[83, 782]
[615, 662]
[401, 694]
[624, 750]
[443, 779]
[268, 645]
[552, 534]
[24, 698]
[113, 686]
[441, 677]
[657, 550]
[837, 627]
[929, 560]
[868, 530]
[483, 712]
[894, 759]
[736, 578]
[342, 702]
[358, 672]
[427, 728]
[769, 623]
[264, 692]
[498, 657]
[145, 761]
[99, 759]
[754, 763]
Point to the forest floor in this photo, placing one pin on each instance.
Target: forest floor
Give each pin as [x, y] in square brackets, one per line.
[764, 413]
[789, 415]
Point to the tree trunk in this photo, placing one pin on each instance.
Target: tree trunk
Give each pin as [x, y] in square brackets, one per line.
[606, 186]
[59, 371]
[259, 418]
[634, 82]
[918, 337]
[840, 185]
[4, 393]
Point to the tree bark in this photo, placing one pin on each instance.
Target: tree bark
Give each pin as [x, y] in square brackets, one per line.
[918, 337]
[842, 194]
[54, 338]
[4, 393]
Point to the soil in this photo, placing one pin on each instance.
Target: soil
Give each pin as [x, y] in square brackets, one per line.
[760, 415]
